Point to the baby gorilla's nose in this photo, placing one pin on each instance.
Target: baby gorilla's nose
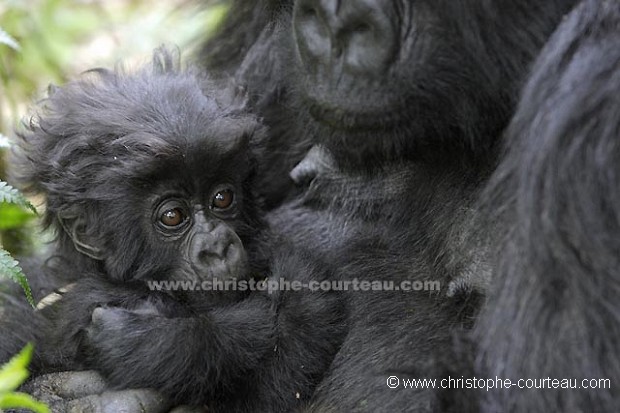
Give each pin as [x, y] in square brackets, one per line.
[211, 249]
[218, 253]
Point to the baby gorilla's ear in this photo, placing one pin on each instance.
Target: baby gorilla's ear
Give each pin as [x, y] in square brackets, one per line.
[74, 225]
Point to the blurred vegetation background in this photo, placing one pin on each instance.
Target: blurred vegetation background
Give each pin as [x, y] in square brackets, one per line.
[48, 41]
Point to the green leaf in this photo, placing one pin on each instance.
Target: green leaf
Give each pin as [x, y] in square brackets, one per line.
[7, 39]
[22, 400]
[13, 216]
[10, 269]
[15, 372]
[12, 375]
[12, 196]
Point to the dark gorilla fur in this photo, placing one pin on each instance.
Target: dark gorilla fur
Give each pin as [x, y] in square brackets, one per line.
[442, 98]
[407, 102]
[553, 310]
[105, 151]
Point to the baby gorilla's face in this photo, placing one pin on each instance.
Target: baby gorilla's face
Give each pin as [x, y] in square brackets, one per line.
[148, 173]
[204, 233]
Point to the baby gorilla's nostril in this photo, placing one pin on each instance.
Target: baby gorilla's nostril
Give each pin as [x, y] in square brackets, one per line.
[205, 257]
[219, 252]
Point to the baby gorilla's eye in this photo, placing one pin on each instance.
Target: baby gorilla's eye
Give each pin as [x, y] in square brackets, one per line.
[223, 199]
[172, 217]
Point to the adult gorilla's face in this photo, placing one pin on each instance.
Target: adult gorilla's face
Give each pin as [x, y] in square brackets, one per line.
[419, 79]
[351, 53]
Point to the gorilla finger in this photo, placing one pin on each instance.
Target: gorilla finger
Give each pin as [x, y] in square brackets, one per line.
[318, 161]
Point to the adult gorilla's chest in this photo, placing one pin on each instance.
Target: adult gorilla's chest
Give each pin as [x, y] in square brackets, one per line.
[379, 226]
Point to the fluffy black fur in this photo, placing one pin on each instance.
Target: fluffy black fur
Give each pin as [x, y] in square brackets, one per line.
[553, 310]
[105, 151]
[410, 100]
[407, 101]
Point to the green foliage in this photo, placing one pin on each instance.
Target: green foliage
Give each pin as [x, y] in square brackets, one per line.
[46, 41]
[33, 51]
[10, 195]
[9, 267]
[12, 375]
[13, 217]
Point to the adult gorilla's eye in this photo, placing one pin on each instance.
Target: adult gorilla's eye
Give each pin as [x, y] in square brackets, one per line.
[172, 217]
[223, 199]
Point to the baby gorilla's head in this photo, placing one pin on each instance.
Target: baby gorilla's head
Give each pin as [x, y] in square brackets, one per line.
[146, 174]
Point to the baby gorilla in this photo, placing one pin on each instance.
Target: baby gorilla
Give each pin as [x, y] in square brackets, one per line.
[147, 178]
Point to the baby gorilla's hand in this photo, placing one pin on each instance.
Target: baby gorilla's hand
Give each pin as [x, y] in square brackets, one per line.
[117, 332]
[127, 346]
[141, 348]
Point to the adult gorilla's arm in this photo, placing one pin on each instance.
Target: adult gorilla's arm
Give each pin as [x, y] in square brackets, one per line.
[553, 310]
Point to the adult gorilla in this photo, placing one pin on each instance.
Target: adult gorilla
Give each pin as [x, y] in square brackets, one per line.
[399, 106]
[378, 82]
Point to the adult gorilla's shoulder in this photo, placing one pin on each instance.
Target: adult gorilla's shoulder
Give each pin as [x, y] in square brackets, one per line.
[553, 311]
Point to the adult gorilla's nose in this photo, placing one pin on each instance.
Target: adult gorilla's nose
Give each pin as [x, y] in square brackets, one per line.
[355, 36]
